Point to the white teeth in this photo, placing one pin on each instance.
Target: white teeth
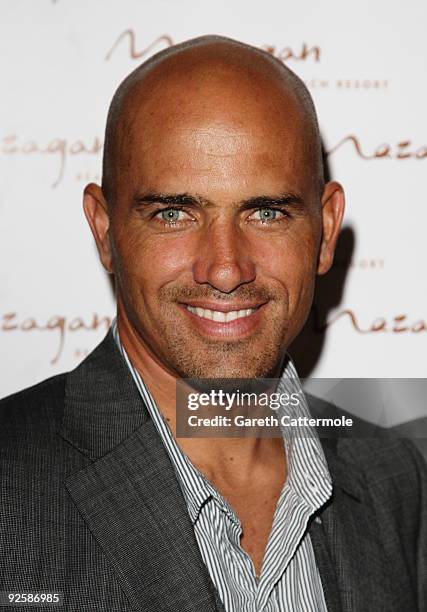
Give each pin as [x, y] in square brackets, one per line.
[220, 317]
[232, 315]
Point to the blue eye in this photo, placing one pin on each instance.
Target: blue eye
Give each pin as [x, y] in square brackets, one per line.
[170, 215]
[267, 214]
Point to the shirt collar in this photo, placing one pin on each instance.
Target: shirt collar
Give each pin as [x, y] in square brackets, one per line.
[308, 473]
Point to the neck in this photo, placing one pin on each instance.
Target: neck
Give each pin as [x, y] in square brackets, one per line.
[228, 459]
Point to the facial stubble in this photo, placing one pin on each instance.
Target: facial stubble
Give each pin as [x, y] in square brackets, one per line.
[193, 355]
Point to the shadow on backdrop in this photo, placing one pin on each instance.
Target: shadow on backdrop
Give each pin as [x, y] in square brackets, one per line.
[307, 347]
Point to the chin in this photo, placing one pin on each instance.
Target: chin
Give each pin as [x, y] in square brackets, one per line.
[257, 366]
[257, 357]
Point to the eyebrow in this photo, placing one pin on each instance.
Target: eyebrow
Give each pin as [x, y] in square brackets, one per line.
[284, 199]
[185, 199]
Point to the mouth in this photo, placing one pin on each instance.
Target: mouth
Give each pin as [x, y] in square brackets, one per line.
[226, 321]
[218, 315]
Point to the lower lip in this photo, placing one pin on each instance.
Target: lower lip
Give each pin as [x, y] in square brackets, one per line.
[233, 329]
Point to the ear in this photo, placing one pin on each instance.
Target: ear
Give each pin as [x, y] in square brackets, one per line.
[96, 211]
[333, 203]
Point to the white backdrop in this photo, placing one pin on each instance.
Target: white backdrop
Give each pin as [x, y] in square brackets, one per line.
[365, 65]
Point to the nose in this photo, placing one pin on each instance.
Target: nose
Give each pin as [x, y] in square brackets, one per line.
[224, 259]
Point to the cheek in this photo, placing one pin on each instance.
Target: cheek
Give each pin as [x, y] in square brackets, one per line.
[145, 263]
[292, 262]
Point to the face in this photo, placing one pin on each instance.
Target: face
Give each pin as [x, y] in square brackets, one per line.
[215, 233]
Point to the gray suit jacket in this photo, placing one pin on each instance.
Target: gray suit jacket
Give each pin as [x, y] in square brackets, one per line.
[90, 507]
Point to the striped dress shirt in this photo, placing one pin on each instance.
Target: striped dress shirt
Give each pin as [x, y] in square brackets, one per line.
[289, 579]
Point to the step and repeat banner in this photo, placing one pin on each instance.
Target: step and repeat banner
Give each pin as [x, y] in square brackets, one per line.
[365, 66]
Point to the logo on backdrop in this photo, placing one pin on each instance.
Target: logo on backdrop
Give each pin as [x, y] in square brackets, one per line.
[126, 43]
[127, 39]
[61, 150]
[404, 149]
[395, 324]
[60, 326]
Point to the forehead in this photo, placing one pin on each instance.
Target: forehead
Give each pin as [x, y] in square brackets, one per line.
[217, 125]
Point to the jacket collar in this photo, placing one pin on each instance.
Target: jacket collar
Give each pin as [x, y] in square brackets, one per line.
[128, 494]
[102, 405]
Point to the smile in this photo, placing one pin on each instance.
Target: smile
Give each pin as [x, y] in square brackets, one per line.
[218, 316]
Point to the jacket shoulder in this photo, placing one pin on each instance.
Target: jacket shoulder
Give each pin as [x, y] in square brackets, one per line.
[382, 458]
[38, 407]
[374, 451]
[393, 476]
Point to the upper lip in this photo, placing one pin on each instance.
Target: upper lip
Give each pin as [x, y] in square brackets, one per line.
[223, 307]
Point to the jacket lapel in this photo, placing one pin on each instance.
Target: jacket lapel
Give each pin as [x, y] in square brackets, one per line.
[128, 494]
[348, 551]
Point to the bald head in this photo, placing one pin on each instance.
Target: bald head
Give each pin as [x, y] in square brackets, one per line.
[209, 79]
[212, 168]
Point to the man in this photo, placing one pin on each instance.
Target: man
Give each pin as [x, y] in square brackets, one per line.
[214, 219]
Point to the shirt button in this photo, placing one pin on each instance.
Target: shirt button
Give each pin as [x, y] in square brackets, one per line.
[313, 486]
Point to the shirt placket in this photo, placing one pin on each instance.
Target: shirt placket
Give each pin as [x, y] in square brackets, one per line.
[288, 528]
